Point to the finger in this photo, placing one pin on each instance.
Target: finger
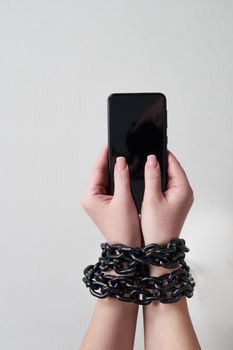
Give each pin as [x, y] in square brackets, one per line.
[122, 188]
[176, 173]
[98, 179]
[152, 175]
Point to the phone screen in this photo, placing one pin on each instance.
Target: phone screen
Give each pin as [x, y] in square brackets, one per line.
[137, 127]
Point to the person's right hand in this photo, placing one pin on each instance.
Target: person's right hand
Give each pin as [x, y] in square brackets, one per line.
[163, 213]
[115, 215]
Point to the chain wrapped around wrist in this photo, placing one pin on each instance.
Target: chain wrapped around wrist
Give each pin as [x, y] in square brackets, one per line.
[139, 287]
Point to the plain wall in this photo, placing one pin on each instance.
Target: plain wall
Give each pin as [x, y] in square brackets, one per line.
[59, 60]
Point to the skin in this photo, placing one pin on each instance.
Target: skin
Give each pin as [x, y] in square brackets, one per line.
[166, 326]
[113, 323]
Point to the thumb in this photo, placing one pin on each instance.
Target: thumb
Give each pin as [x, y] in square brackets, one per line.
[152, 177]
[122, 188]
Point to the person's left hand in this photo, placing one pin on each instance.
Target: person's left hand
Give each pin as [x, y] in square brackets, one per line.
[116, 216]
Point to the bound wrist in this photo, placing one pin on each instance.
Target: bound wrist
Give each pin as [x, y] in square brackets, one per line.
[133, 242]
[167, 281]
[162, 238]
[156, 271]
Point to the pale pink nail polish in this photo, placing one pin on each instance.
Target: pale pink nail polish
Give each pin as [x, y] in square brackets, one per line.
[121, 163]
[152, 161]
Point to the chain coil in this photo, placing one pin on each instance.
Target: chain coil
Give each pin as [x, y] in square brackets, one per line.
[140, 288]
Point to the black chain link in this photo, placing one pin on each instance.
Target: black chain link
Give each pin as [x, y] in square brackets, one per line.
[125, 259]
[141, 288]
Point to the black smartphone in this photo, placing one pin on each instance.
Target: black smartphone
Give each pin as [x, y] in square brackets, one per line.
[137, 127]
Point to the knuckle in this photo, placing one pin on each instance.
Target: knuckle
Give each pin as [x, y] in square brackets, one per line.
[190, 194]
[192, 198]
[85, 202]
[186, 194]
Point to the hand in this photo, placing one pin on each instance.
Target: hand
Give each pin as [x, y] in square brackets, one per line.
[116, 216]
[162, 217]
[163, 213]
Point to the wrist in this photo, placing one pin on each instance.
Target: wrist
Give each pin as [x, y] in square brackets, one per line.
[161, 238]
[156, 271]
[115, 304]
[130, 242]
[165, 309]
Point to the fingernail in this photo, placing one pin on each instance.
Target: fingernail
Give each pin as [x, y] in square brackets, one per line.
[121, 163]
[152, 161]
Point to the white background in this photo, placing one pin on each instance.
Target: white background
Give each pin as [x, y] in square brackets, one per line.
[59, 60]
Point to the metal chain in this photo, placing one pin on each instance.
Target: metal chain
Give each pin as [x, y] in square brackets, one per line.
[141, 288]
[126, 259]
[168, 288]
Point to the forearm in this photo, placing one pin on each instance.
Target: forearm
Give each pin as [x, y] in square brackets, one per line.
[112, 326]
[168, 326]
[113, 323]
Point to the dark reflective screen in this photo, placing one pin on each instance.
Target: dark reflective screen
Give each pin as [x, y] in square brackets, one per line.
[136, 128]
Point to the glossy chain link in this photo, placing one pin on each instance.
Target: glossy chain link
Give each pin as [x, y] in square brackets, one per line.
[141, 288]
[169, 256]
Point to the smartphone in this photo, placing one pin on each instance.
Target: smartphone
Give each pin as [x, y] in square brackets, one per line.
[137, 127]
